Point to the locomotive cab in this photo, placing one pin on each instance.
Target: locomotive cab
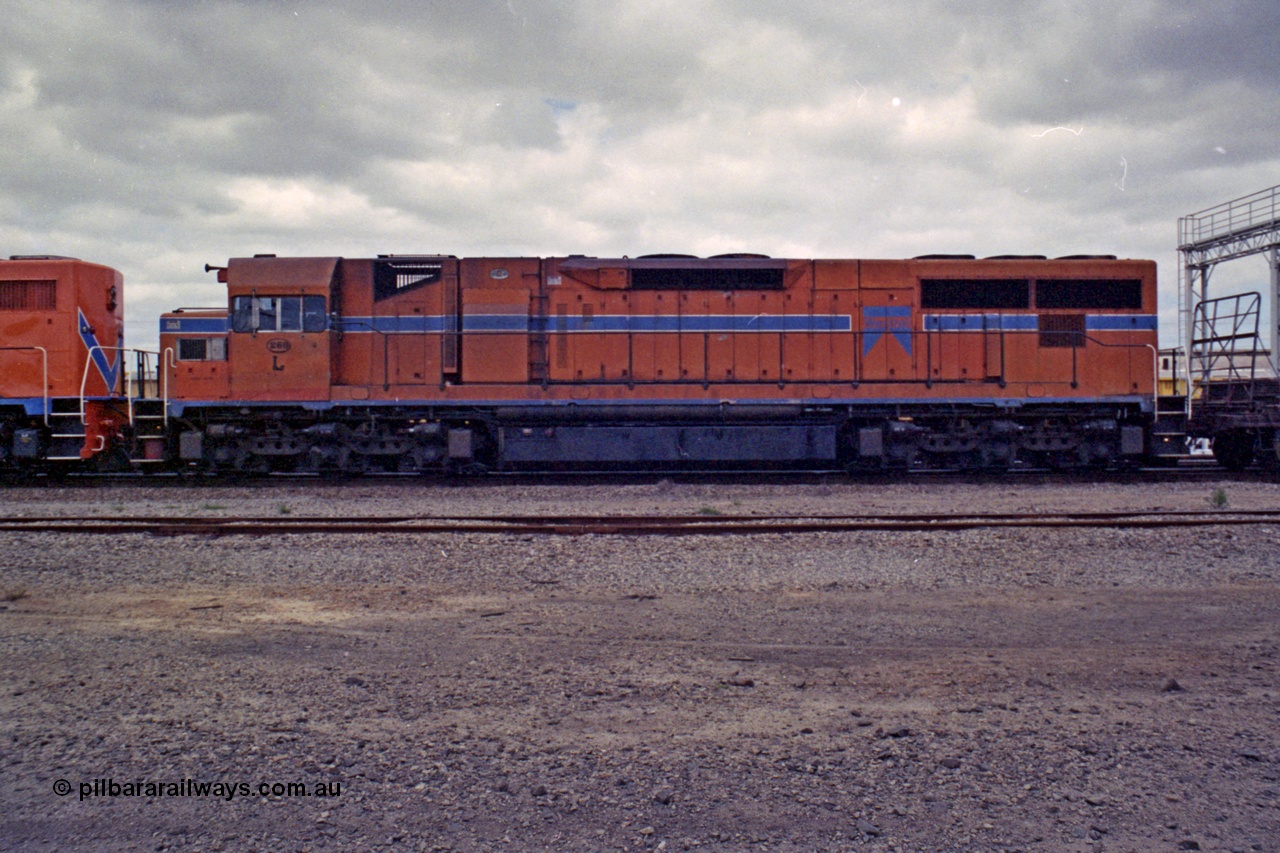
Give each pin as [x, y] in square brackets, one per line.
[278, 347]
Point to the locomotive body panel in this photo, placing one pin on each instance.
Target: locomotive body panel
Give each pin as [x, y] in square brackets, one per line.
[495, 336]
[865, 330]
[497, 306]
[193, 348]
[396, 327]
[61, 329]
[61, 361]
[886, 350]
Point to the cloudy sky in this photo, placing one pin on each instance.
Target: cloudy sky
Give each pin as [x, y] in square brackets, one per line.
[160, 135]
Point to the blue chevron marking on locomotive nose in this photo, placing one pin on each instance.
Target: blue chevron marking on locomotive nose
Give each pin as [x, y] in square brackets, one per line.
[879, 320]
[107, 367]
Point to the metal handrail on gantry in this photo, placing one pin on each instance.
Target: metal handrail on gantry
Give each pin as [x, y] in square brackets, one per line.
[1248, 225]
[1233, 229]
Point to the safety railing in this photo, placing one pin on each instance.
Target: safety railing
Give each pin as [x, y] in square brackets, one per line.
[119, 385]
[1226, 338]
[1230, 219]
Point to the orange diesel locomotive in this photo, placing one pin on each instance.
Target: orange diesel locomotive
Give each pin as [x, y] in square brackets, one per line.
[63, 400]
[426, 363]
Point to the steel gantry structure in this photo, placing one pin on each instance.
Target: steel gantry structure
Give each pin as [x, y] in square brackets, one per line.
[1249, 225]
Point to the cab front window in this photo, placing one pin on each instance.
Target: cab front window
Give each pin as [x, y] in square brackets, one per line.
[290, 313]
[268, 314]
[314, 318]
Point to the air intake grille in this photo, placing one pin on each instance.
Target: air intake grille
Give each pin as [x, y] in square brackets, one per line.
[28, 295]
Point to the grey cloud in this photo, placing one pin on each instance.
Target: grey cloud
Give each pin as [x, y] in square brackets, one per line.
[1208, 43]
[159, 135]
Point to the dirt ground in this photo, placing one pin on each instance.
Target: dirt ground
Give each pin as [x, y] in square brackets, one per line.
[606, 693]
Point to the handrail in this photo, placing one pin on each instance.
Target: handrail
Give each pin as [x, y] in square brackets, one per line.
[1155, 379]
[121, 380]
[44, 377]
[1155, 363]
[162, 375]
[1230, 218]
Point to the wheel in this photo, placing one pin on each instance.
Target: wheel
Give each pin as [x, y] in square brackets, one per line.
[1234, 450]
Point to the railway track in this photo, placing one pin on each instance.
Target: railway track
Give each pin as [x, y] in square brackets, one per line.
[623, 525]
[1197, 469]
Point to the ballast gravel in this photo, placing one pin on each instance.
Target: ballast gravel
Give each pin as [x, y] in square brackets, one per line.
[996, 689]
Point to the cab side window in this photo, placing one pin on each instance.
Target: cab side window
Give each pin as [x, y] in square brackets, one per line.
[278, 314]
[202, 349]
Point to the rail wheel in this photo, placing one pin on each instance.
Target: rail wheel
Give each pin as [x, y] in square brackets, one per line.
[1234, 450]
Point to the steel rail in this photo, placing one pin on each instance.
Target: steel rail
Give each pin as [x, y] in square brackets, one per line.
[1187, 470]
[696, 518]
[696, 525]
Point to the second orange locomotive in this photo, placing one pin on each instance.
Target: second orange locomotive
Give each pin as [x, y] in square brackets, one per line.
[436, 362]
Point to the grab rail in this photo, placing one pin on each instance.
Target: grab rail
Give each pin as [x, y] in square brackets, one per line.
[122, 380]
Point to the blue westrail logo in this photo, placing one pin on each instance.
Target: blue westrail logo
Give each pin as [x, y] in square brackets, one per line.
[108, 366]
[877, 321]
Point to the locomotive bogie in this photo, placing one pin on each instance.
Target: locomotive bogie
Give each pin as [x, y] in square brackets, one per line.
[987, 441]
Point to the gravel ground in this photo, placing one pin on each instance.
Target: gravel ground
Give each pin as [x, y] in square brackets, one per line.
[1019, 689]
